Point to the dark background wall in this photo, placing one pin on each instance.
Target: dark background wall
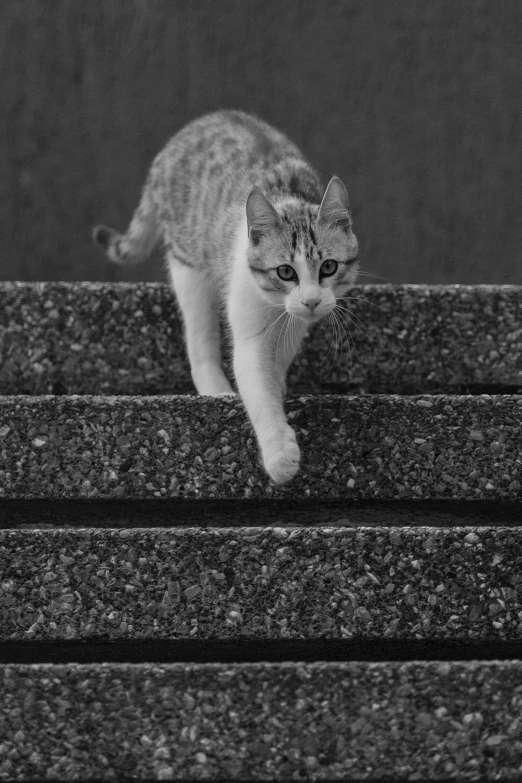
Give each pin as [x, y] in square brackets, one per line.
[415, 105]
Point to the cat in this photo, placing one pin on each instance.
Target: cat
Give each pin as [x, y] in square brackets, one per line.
[251, 237]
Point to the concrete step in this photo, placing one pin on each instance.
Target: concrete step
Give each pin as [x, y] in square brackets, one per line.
[188, 447]
[460, 584]
[167, 613]
[337, 721]
[126, 338]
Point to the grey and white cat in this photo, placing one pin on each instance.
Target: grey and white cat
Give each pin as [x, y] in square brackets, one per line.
[250, 236]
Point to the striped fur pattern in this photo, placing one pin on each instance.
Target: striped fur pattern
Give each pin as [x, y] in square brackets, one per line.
[251, 238]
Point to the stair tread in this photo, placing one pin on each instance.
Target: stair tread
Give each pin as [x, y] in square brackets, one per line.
[453, 586]
[126, 338]
[263, 721]
[459, 583]
[371, 447]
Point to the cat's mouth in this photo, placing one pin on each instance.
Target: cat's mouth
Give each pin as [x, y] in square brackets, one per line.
[309, 317]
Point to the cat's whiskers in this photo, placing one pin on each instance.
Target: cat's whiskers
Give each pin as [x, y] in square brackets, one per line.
[371, 274]
[374, 337]
[346, 328]
[337, 337]
[331, 322]
[269, 325]
[359, 299]
[349, 337]
[291, 335]
[264, 307]
[288, 334]
[296, 338]
[343, 327]
[343, 320]
[294, 322]
[351, 313]
[270, 328]
[281, 331]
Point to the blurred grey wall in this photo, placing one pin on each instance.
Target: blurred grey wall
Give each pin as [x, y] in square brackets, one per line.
[415, 105]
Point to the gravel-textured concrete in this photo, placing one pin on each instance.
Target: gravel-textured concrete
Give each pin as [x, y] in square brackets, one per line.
[353, 720]
[272, 583]
[261, 721]
[360, 447]
[121, 338]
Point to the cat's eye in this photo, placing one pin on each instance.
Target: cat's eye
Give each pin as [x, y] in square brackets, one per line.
[286, 272]
[328, 267]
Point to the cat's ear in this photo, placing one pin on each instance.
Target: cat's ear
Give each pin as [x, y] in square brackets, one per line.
[261, 215]
[335, 208]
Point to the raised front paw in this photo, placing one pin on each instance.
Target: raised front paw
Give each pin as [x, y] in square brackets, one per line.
[281, 457]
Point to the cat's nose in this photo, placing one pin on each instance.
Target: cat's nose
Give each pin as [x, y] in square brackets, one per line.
[312, 302]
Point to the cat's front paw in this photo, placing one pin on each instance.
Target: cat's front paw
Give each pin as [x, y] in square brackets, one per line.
[281, 457]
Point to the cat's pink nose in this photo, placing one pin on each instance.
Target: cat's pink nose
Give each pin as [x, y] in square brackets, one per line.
[312, 303]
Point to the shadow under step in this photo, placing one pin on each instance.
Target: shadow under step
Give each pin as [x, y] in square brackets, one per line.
[279, 512]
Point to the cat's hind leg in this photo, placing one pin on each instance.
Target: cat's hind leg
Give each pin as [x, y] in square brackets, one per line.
[202, 334]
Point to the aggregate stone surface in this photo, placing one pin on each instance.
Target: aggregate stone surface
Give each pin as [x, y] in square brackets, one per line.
[290, 721]
[404, 721]
[268, 583]
[188, 447]
[126, 338]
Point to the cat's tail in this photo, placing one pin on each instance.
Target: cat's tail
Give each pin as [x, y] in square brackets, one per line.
[140, 238]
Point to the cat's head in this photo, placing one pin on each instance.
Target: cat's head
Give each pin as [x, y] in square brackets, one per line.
[301, 255]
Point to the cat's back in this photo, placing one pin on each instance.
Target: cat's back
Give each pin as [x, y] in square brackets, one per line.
[212, 163]
[225, 140]
[201, 179]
